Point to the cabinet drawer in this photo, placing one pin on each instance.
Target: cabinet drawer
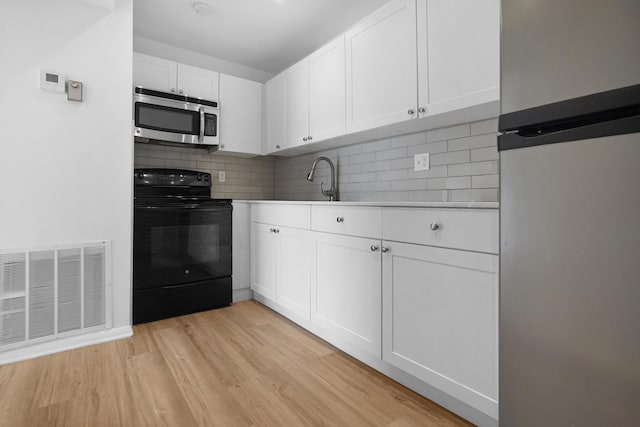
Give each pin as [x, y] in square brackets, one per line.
[295, 216]
[354, 221]
[468, 229]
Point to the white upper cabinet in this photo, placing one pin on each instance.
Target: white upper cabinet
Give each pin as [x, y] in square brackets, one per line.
[458, 54]
[154, 73]
[274, 114]
[314, 97]
[168, 76]
[381, 66]
[197, 82]
[240, 115]
[296, 102]
[327, 105]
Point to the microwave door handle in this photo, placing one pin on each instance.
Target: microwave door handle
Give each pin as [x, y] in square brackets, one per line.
[201, 136]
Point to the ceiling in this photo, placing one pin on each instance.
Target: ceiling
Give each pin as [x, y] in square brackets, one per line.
[268, 35]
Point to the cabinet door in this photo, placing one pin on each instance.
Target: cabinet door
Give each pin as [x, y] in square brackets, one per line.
[154, 73]
[294, 270]
[240, 115]
[296, 102]
[346, 290]
[263, 260]
[459, 53]
[197, 82]
[382, 67]
[274, 114]
[327, 103]
[440, 321]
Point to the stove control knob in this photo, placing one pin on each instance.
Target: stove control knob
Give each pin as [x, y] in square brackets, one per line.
[206, 177]
[199, 177]
[140, 175]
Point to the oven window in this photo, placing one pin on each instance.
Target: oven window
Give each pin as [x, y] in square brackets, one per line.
[158, 117]
[173, 246]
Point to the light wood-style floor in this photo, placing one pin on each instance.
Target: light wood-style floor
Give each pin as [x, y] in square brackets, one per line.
[243, 365]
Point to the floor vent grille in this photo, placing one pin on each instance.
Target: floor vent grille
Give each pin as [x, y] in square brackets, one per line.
[54, 292]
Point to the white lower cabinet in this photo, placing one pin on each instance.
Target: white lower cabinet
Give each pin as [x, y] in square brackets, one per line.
[440, 319]
[346, 290]
[294, 270]
[263, 260]
[280, 266]
[396, 297]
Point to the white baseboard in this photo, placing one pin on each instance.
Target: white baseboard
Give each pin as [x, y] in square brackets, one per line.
[64, 344]
[242, 294]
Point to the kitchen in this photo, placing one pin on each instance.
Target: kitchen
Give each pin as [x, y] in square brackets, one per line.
[81, 158]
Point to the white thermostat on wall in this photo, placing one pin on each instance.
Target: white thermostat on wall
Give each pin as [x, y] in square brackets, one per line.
[52, 81]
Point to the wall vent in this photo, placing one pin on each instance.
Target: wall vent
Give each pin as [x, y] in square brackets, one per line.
[54, 292]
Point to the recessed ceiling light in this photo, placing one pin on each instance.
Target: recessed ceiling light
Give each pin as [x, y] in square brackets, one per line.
[203, 9]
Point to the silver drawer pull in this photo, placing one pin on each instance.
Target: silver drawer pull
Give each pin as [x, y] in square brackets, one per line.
[374, 248]
[340, 219]
[434, 226]
[385, 249]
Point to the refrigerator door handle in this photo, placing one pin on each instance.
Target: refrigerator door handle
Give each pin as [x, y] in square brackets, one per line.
[559, 132]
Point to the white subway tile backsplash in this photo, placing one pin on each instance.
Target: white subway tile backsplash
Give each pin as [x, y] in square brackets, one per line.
[379, 145]
[394, 153]
[485, 126]
[449, 158]
[361, 158]
[405, 163]
[409, 184]
[350, 150]
[481, 154]
[477, 168]
[476, 141]
[485, 181]
[391, 175]
[376, 166]
[428, 196]
[486, 195]
[408, 140]
[433, 172]
[363, 177]
[432, 147]
[448, 133]
[449, 183]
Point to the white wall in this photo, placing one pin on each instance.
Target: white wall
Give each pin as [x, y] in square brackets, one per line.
[173, 53]
[65, 167]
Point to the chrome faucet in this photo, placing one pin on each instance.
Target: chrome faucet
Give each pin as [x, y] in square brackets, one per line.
[331, 192]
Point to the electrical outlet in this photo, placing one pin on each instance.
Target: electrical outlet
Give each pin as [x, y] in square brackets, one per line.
[222, 176]
[421, 162]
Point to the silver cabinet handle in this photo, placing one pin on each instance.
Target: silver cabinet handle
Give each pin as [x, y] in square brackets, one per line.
[181, 91]
[173, 89]
[340, 219]
[422, 110]
[305, 139]
[411, 112]
[434, 226]
[384, 249]
[277, 146]
[374, 248]
[309, 138]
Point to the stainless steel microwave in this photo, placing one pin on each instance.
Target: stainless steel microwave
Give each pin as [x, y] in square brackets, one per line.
[168, 118]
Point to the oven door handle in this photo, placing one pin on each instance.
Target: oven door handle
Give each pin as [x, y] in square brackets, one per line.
[186, 207]
[201, 136]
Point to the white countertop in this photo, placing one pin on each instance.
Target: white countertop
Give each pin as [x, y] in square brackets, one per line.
[467, 205]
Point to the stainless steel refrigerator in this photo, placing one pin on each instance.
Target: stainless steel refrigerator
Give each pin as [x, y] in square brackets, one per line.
[570, 213]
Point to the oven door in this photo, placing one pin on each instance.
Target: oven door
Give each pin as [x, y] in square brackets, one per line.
[175, 245]
[174, 121]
